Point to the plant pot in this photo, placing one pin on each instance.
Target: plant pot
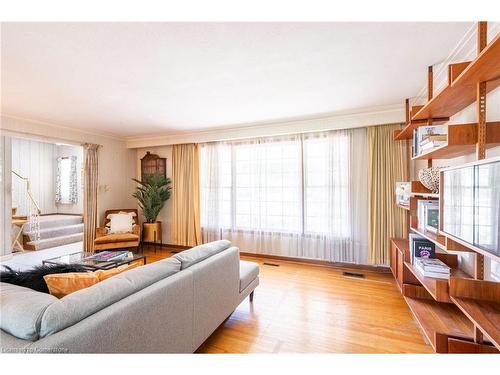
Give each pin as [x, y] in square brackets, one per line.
[151, 232]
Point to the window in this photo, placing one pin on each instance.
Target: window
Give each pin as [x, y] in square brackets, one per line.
[299, 195]
[295, 184]
[66, 184]
[326, 184]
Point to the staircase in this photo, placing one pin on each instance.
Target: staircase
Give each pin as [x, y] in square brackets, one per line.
[55, 230]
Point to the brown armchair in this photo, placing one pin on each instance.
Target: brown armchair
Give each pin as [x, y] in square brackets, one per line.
[105, 241]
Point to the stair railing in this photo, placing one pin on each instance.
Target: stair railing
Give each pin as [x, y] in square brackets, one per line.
[34, 214]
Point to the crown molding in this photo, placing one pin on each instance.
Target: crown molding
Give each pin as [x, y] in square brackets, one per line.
[53, 126]
[340, 120]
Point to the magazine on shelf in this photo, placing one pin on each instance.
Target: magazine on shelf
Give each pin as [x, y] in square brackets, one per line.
[421, 247]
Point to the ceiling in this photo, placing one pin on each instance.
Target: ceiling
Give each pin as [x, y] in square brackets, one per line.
[132, 79]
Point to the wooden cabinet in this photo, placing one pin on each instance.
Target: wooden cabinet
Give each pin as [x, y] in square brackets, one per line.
[153, 164]
[399, 254]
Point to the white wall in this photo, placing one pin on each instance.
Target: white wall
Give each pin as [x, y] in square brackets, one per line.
[166, 213]
[35, 161]
[117, 164]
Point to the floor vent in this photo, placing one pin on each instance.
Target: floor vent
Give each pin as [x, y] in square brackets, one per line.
[271, 264]
[353, 274]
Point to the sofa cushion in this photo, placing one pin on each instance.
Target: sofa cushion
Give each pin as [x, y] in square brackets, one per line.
[116, 237]
[201, 252]
[79, 305]
[249, 271]
[22, 310]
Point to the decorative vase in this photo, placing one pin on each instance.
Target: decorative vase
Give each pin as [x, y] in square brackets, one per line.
[429, 177]
[151, 232]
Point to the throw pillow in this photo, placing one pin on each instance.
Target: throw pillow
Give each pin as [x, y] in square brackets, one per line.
[63, 284]
[121, 223]
[33, 278]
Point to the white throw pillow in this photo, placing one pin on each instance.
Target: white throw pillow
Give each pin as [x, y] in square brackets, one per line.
[121, 223]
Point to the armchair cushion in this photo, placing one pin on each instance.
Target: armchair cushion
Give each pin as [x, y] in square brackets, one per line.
[116, 237]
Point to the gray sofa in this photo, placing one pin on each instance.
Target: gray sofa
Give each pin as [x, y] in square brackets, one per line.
[170, 306]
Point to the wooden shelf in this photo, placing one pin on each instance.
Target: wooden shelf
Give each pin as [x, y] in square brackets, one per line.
[438, 288]
[440, 318]
[462, 139]
[485, 314]
[479, 300]
[419, 190]
[435, 238]
[407, 131]
[462, 91]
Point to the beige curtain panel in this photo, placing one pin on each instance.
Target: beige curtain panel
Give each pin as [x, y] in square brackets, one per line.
[186, 228]
[90, 184]
[387, 164]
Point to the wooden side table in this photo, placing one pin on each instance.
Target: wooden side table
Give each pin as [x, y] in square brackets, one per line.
[16, 244]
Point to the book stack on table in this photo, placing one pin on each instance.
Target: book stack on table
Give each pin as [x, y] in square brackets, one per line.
[430, 267]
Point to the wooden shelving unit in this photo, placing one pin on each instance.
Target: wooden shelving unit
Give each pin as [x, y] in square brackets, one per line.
[462, 91]
[462, 314]
[437, 288]
[440, 319]
[462, 139]
[480, 301]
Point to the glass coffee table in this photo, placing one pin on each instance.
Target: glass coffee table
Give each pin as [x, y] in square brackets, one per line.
[84, 259]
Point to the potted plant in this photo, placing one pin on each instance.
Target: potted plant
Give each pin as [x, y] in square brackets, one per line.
[151, 194]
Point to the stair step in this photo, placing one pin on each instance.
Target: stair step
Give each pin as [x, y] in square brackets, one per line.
[57, 231]
[55, 241]
[55, 221]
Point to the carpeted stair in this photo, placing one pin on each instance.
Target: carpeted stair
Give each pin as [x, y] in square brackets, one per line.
[55, 230]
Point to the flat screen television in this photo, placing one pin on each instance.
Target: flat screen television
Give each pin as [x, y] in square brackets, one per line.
[471, 204]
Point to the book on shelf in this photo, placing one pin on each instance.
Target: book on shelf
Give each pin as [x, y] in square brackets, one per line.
[421, 248]
[431, 145]
[432, 265]
[436, 275]
[427, 134]
[434, 138]
[436, 272]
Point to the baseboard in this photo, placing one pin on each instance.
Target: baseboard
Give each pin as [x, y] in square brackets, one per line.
[167, 245]
[365, 267]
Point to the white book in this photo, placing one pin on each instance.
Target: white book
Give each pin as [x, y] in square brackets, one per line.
[431, 145]
[432, 265]
[437, 275]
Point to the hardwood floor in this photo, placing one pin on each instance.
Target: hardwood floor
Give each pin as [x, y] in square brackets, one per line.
[302, 308]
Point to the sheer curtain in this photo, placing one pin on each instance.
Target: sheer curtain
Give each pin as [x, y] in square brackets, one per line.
[299, 196]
